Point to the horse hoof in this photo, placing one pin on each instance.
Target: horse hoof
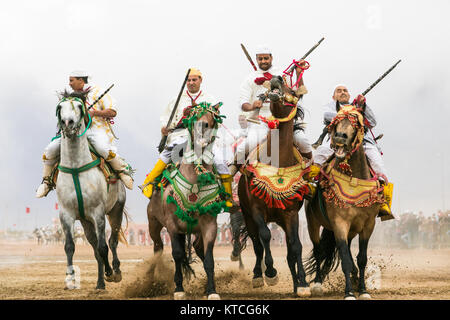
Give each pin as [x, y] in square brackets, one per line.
[109, 278]
[271, 281]
[117, 277]
[257, 282]
[69, 286]
[316, 289]
[303, 292]
[213, 296]
[350, 297]
[179, 295]
[364, 296]
[234, 258]
[100, 287]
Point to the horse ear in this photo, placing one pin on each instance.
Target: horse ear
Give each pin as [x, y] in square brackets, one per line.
[217, 106]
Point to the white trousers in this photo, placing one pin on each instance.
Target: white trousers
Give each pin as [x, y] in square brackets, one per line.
[99, 139]
[218, 160]
[324, 151]
[257, 133]
[302, 142]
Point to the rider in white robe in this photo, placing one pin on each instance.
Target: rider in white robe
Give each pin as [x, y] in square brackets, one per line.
[99, 134]
[177, 134]
[255, 84]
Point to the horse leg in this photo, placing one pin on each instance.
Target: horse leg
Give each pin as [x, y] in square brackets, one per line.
[178, 254]
[102, 248]
[354, 272]
[154, 229]
[362, 263]
[209, 233]
[341, 234]
[115, 220]
[236, 220]
[252, 230]
[91, 237]
[69, 247]
[198, 245]
[315, 259]
[294, 257]
[265, 236]
[362, 258]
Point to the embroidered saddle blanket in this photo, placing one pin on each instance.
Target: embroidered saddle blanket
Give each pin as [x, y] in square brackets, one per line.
[345, 191]
[278, 187]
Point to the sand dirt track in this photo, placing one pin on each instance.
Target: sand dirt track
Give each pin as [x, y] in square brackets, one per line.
[31, 271]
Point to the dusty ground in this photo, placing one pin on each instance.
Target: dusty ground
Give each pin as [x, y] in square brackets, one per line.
[31, 271]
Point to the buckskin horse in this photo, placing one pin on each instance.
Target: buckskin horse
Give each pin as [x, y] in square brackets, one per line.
[275, 194]
[189, 199]
[83, 192]
[347, 201]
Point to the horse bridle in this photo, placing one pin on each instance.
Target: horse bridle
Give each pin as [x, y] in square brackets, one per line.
[356, 119]
[84, 113]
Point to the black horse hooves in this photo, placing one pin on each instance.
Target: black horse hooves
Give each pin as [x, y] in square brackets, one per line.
[113, 277]
[234, 258]
[350, 296]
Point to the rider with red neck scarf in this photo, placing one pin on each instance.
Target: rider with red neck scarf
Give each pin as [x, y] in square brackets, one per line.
[257, 83]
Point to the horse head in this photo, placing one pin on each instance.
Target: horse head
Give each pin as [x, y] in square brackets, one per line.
[202, 122]
[281, 96]
[346, 132]
[71, 111]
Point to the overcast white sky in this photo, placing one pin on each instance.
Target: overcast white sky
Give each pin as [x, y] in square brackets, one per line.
[146, 47]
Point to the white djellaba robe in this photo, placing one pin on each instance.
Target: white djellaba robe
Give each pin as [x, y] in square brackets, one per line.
[180, 135]
[99, 133]
[257, 133]
[324, 151]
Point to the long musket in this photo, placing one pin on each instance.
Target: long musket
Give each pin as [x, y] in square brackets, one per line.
[248, 57]
[262, 97]
[162, 143]
[100, 98]
[325, 130]
[307, 54]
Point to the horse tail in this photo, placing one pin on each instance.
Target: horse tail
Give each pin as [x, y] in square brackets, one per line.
[188, 272]
[240, 232]
[122, 237]
[327, 255]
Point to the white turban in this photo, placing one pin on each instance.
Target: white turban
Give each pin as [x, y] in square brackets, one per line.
[339, 85]
[79, 74]
[263, 49]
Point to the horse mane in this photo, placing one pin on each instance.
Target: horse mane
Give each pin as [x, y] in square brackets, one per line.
[74, 94]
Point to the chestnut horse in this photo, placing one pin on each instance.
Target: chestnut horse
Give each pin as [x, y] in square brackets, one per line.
[259, 212]
[342, 217]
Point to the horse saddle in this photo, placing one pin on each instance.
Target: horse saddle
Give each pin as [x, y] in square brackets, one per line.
[345, 191]
[110, 175]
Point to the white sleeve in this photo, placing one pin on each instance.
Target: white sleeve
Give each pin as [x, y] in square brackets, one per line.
[245, 93]
[166, 114]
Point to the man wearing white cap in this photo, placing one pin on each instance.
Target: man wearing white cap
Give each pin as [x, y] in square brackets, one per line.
[341, 97]
[99, 134]
[257, 83]
[177, 134]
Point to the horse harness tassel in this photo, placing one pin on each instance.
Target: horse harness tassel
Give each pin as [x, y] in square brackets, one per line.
[76, 181]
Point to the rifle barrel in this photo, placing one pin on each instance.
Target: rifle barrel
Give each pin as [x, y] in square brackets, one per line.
[380, 78]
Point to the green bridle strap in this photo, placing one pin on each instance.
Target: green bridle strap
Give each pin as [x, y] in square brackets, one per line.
[76, 181]
[83, 113]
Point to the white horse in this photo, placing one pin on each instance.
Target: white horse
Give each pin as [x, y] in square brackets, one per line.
[84, 195]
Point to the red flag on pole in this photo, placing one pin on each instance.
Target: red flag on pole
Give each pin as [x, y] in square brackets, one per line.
[27, 210]
[56, 205]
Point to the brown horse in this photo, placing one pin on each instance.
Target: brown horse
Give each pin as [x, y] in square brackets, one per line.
[346, 174]
[259, 210]
[177, 211]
